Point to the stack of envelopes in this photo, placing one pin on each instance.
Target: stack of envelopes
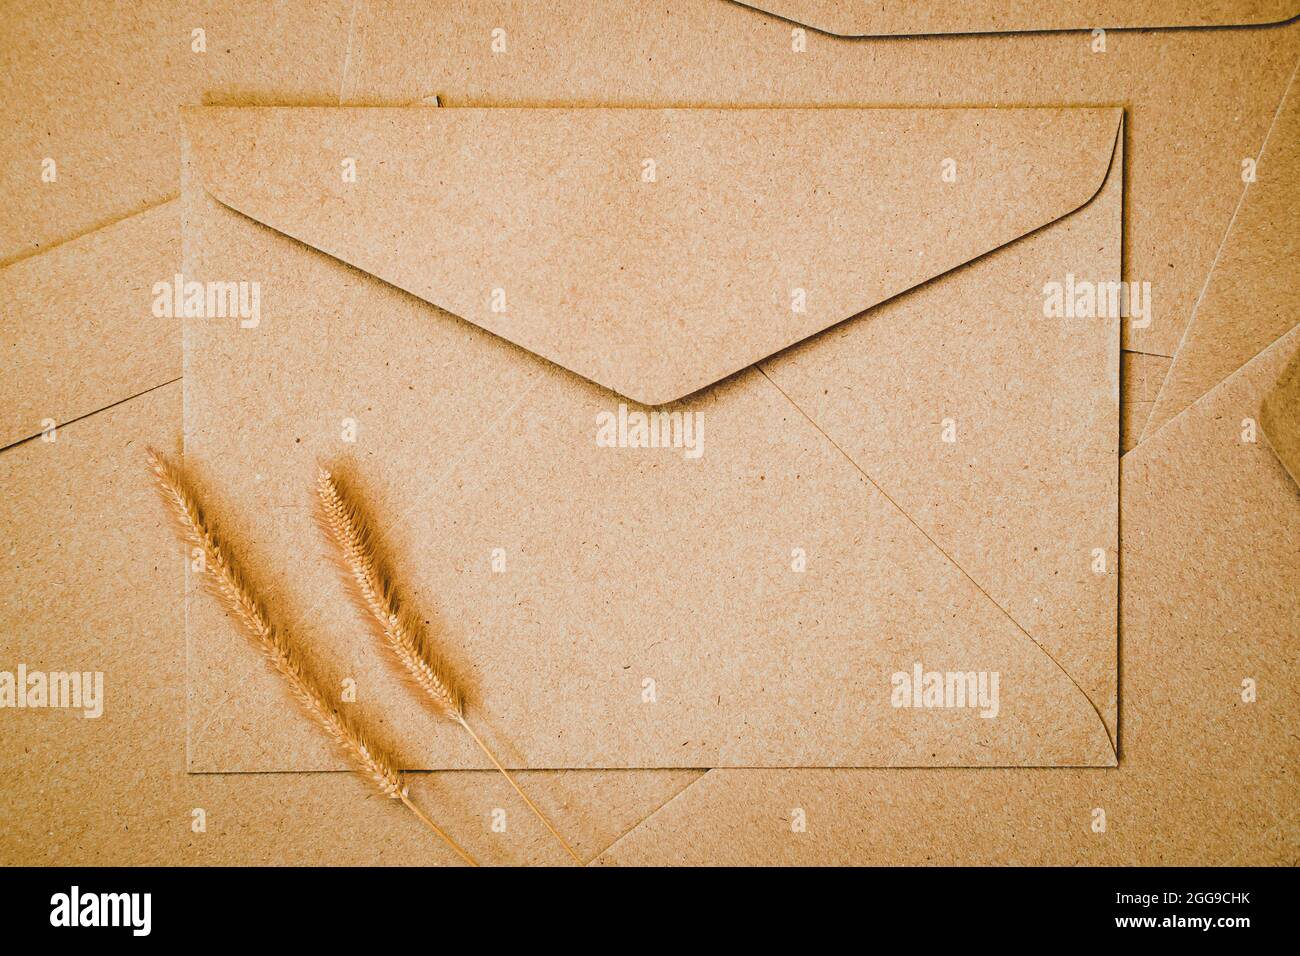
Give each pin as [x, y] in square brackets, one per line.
[774, 411]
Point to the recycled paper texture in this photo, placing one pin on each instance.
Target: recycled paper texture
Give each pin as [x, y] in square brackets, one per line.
[1203, 775]
[759, 587]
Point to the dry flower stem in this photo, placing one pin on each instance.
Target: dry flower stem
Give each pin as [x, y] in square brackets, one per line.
[223, 578]
[373, 592]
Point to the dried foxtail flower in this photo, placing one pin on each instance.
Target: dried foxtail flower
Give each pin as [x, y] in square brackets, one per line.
[373, 592]
[226, 582]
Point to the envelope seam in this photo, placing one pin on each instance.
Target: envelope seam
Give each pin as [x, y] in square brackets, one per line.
[951, 560]
[1151, 354]
[1212, 389]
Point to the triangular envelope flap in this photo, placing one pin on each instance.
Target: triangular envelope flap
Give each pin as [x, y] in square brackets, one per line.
[867, 18]
[653, 251]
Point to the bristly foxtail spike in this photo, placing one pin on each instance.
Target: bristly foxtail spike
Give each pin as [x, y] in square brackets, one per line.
[224, 579]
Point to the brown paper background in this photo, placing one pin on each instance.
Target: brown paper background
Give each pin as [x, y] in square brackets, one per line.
[90, 800]
[97, 89]
[77, 328]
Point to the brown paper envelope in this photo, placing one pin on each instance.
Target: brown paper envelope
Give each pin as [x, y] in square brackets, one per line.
[1211, 556]
[91, 580]
[77, 326]
[749, 606]
[1198, 101]
[1253, 295]
[95, 90]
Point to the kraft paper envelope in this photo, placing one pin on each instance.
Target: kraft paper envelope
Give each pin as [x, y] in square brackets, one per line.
[128, 72]
[755, 594]
[90, 581]
[97, 93]
[1253, 295]
[1200, 84]
[1211, 559]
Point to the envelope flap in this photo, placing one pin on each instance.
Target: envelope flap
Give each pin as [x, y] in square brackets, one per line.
[653, 252]
[865, 18]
